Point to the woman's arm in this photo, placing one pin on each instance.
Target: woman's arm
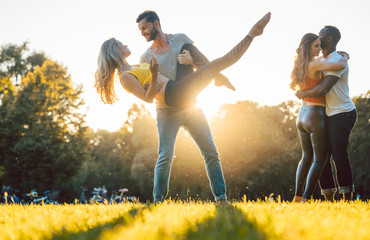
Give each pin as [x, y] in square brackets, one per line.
[328, 66]
[131, 84]
[152, 90]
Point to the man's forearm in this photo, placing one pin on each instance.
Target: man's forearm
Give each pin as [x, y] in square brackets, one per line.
[314, 92]
[321, 89]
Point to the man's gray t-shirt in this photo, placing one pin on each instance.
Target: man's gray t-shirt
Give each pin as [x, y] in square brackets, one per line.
[168, 61]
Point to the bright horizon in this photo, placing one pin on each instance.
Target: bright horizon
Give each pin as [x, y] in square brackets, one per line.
[71, 33]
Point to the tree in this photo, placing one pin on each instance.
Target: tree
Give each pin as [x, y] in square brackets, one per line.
[109, 163]
[260, 148]
[359, 146]
[14, 62]
[124, 158]
[44, 130]
[144, 144]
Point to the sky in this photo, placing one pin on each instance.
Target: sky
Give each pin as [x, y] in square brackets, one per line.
[71, 32]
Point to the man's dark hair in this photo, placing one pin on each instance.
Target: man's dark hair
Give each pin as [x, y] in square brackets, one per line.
[149, 16]
[334, 32]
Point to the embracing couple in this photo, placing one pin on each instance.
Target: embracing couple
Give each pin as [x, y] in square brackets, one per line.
[166, 73]
[326, 117]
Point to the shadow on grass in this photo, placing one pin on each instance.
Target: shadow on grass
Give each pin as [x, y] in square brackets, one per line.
[228, 223]
[95, 232]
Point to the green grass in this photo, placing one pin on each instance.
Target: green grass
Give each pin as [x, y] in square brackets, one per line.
[195, 220]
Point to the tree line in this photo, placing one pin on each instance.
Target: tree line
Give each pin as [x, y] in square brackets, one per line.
[46, 144]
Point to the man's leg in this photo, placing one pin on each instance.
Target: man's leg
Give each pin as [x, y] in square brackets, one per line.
[168, 124]
[327, 184]
[340, 127]
[196, 124]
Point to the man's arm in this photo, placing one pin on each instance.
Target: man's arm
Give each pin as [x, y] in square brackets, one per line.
[143, 59]
[320, 89]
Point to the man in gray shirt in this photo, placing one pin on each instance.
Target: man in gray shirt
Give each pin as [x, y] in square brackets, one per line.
[170, 119]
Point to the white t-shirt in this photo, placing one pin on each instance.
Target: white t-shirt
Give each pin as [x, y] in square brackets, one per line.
[168, 61]
[337, 99]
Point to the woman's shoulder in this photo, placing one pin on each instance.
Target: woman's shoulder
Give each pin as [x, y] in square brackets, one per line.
[138, 67]
[313, 69]
[139, 70]
[315, 63]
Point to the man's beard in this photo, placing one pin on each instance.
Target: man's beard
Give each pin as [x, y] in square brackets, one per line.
[153, 35]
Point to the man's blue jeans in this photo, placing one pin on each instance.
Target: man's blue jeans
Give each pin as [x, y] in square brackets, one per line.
[169, 121]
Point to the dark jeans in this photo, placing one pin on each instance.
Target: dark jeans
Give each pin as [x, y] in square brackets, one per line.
[340, 127]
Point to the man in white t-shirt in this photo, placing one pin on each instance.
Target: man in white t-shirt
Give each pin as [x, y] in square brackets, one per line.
[341, 115]
[170, 119]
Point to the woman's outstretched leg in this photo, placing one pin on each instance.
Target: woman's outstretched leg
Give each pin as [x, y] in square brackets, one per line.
[191, 85]
[199, 60]
[208, 71]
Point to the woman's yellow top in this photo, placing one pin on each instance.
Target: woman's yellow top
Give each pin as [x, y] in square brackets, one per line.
[142, 74]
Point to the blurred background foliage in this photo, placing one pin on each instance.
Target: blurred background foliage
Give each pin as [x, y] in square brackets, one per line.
[46, 144]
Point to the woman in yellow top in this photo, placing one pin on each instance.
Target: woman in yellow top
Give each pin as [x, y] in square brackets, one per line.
[146, 83]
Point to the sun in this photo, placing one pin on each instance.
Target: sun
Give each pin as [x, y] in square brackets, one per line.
[211, 99]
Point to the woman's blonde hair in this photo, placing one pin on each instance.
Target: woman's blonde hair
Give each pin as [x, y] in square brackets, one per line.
[304, 56]
[110, 57]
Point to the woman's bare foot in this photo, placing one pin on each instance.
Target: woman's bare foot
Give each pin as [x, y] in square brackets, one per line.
[258, 28]
[221, 80]
[297, 199]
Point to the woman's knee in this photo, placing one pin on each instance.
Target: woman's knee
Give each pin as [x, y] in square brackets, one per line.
[319, 163]
[187, 46]
[307, 157]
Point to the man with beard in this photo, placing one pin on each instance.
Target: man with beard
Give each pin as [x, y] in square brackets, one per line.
[169, 119]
